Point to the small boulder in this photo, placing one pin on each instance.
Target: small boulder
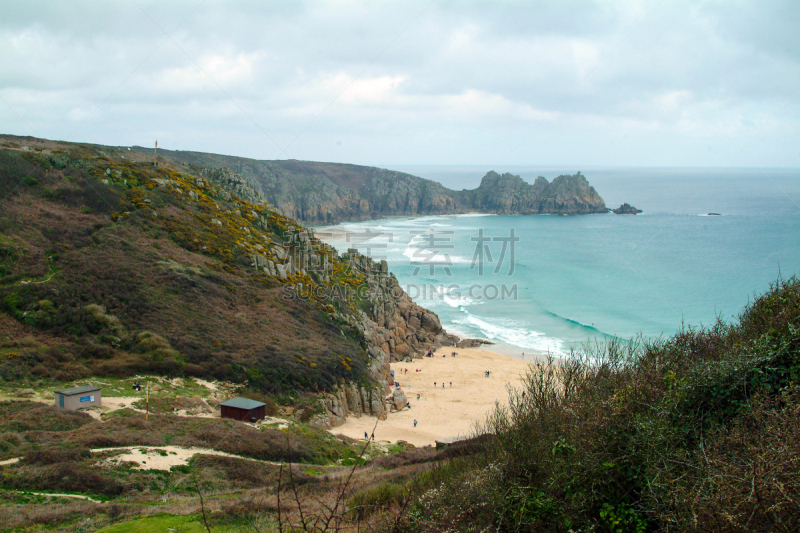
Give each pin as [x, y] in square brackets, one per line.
[399, 399]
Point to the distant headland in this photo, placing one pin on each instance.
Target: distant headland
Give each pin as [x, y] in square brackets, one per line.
[329, 193]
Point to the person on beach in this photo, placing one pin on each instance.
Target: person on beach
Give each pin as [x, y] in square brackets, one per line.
[434, 383]
[442, 384]
[451, 383]
[417, 396]
[366, 436]
[415, 422]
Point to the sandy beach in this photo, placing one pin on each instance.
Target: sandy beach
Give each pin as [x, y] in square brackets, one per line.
[448, 411]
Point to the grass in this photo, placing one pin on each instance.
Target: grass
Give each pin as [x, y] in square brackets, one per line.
[165, 522]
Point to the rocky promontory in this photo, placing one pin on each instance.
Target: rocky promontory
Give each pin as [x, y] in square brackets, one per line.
[328, 193]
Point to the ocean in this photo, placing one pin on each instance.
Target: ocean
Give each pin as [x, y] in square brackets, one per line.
[550, 284]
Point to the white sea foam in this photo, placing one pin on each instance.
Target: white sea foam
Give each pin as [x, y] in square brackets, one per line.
[458, 301]
[514, 335]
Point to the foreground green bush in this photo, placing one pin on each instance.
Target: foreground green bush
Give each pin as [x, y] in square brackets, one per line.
[382, 496]
[699, 432]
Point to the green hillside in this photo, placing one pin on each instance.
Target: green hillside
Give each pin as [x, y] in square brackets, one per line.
[118, 268]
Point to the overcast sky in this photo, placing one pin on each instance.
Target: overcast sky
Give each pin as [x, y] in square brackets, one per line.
[580, 84]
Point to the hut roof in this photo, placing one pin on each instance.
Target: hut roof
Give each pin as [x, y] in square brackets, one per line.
[242, 403]
[78, 390]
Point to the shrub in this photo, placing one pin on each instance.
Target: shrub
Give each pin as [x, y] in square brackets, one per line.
[66, 476]
[49, 456]
[377, 498]
[697, 432]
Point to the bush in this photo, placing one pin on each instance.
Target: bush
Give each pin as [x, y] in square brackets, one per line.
[68, 477]
[49, 456]
[374, 499]
[697, 432]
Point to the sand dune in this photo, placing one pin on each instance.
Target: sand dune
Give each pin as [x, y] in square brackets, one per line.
[448, 411]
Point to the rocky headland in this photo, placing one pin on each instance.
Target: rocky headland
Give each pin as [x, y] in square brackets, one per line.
[328, 193]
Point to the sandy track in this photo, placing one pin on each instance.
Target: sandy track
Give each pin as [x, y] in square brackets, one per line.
[443, 412]
[52, 495]
[161, 457]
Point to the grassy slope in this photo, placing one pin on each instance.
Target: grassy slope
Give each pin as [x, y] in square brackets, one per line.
[131, 277]
[699, 432]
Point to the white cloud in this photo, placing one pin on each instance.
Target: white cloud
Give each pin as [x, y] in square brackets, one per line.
[206, 73]
[425, 83]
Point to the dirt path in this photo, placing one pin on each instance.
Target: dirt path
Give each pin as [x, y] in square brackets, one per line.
[76, 496]
[43, 280]
[162, 457]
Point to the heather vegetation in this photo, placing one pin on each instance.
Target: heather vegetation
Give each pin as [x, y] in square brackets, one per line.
[115, 267]
[697, 432]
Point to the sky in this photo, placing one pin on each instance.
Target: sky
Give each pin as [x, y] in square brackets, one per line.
[498, 83]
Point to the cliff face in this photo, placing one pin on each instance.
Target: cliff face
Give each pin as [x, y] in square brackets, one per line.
[329, 193]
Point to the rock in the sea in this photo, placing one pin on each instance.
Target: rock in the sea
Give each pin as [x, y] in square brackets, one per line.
[626, 209]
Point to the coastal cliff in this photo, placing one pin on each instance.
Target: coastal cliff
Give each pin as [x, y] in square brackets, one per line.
[183, 271]
[329, 193]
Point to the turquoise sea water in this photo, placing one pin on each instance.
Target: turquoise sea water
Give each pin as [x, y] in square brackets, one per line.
[580, 278]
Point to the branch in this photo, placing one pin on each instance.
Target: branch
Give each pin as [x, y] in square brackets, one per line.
[202, 505]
